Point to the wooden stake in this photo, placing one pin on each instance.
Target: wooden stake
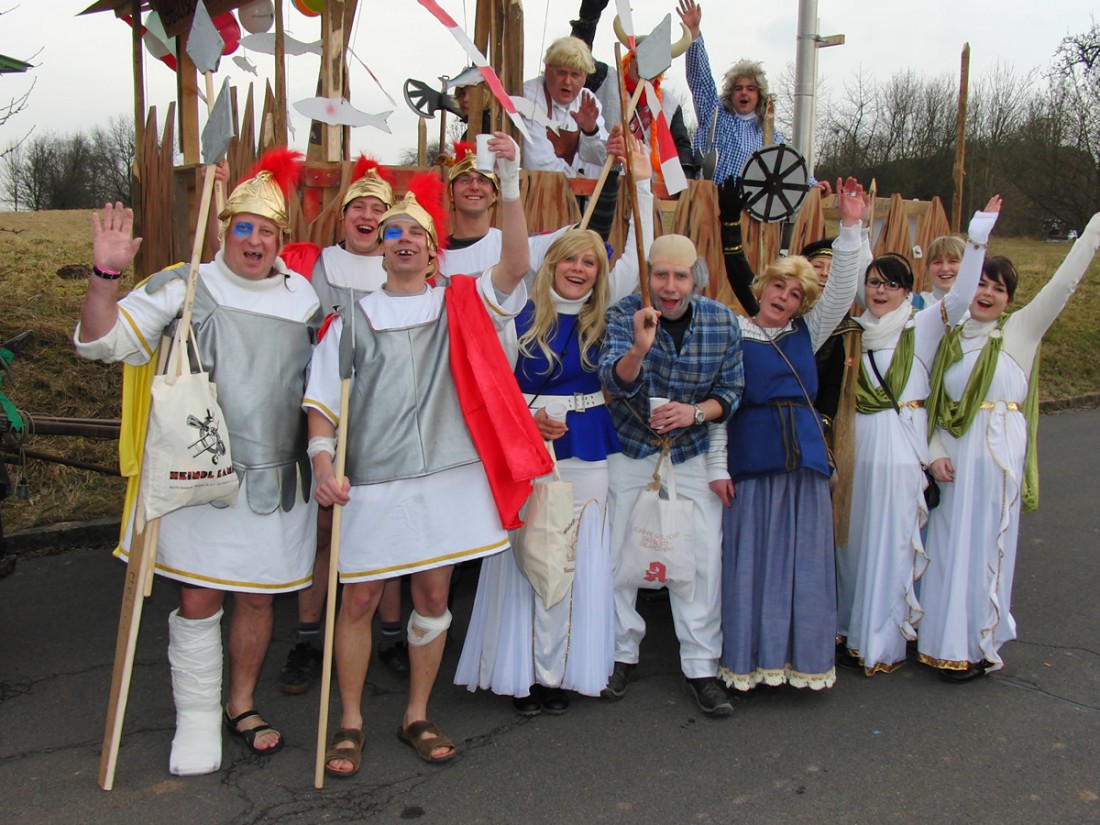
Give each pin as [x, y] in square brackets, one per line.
[280, 76]
[959, 169]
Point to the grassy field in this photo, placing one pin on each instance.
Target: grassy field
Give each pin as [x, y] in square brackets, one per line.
[51, 380]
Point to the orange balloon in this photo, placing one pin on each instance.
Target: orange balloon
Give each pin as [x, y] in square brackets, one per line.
[305, 8]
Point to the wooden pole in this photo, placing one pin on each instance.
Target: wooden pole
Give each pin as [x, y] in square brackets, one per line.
[139, 125]
[333, 583]
[139, 572]
[959, 170]
[607, 164]
[187, 93]
[643, 281]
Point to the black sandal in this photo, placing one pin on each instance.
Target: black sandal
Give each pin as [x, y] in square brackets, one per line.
[249, 736]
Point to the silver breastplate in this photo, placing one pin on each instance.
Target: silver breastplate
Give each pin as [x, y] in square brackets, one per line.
[405, 419]
[258, 363]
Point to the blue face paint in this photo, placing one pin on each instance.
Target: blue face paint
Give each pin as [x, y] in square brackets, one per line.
[392, 233]
[242, 229]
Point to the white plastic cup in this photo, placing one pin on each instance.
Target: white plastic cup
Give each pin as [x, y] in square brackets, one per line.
[556, 410]
[486, 157]
[655, 402]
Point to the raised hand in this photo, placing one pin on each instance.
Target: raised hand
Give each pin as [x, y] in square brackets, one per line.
[994, 204]
[691, 13]
[113, 243]
[588, 113]
[850, 200]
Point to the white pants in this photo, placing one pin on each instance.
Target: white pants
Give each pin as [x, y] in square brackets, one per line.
[698, 622]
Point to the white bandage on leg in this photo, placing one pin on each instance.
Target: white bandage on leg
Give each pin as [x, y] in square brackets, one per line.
[195, 656]
[423, 630]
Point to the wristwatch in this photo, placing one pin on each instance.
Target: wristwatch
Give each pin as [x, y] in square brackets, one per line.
[700, 416]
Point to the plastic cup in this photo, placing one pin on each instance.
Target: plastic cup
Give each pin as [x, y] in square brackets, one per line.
[655, 402]
[486, 158]
[556, 410]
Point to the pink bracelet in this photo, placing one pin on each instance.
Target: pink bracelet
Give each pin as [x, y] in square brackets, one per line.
[106, 274]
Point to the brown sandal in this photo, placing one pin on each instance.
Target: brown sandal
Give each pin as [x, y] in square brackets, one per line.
[353, 754]
[413, 736]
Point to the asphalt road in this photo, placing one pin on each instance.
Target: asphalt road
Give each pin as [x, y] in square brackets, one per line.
[1021, 746]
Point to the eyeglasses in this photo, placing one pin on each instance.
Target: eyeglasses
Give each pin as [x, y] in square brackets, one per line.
[889, 286]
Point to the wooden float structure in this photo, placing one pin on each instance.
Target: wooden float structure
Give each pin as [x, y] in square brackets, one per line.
[165, 195]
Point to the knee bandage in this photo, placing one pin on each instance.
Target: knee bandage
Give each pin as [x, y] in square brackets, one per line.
[423, 630]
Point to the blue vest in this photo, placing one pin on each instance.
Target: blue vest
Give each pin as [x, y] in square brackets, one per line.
[774, 431]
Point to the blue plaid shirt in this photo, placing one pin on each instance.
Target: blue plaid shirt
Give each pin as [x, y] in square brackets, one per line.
[708, 365]
[735, 138]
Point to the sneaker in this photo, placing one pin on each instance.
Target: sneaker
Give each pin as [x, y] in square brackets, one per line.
[303, 663]
[616, 684]
[396, 658]
[709, 695]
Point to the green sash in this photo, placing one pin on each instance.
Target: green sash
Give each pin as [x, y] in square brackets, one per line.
[956, 417]
[872, 399]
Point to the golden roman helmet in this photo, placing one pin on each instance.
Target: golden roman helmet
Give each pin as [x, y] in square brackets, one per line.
[678, 48]
[465, 160]
[264, 191]
[369, 179]
[423, 204]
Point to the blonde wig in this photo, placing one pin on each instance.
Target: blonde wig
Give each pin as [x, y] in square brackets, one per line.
[571, 53]
[753, 70]
[798, 268]
[590, 320]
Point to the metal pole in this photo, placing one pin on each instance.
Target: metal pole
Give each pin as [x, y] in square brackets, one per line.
[805, 79]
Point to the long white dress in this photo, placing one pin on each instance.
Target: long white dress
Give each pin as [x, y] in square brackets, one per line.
[878, 607]
[967, 590]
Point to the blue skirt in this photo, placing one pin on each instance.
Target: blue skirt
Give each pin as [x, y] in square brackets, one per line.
[779, 583]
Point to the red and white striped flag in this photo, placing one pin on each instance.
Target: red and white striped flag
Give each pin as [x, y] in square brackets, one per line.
[671, 170]
[478, 59]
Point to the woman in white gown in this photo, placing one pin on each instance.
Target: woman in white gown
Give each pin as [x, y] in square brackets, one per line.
[515, 645]
[984, 403]
[878, 609]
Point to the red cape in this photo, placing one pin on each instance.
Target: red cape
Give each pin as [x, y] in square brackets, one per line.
[502, 428]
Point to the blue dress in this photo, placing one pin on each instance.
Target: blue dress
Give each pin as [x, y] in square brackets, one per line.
[778, 564]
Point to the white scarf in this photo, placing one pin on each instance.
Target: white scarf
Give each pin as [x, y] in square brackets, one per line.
[879, 333]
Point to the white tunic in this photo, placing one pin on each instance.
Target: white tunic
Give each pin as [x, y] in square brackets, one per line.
[398, 527]
[878, 609]
[972, 536]
[228, 548]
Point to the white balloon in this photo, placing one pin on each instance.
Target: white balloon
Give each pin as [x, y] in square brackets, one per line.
[257, 16]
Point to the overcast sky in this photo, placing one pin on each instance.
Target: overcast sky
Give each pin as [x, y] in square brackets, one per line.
[84, 68]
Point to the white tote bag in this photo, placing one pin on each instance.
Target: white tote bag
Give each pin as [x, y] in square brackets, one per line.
[545, 547]
[187, 460]
[659, 550]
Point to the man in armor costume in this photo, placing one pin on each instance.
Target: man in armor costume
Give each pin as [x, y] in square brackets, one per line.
[440, 444]
[264, 544]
